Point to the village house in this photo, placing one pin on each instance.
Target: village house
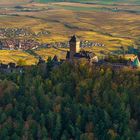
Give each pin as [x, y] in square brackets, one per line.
[76, 52]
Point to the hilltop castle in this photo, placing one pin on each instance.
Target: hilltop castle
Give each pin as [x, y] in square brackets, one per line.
[76, 52]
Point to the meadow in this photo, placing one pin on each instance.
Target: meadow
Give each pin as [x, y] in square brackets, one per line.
[114, 25]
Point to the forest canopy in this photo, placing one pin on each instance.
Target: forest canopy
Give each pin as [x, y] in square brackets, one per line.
[72, 101]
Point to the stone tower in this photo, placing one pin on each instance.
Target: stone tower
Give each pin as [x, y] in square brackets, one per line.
[74, 44]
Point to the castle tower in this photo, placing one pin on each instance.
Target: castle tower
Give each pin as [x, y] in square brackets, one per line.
[74, 44]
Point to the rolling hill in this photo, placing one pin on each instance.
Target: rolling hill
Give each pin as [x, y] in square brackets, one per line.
[11, 2]
[94, 1]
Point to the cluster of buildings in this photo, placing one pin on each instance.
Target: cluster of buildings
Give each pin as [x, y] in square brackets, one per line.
[14, 32]
[77, 53]
[15, 44]
[21, 32]
[85, 44]
[19, 38]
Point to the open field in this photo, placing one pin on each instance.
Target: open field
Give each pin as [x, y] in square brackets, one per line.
[113, 25]
[7, 56]
[45, 53]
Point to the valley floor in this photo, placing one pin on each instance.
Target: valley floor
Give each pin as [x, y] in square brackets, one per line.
[112, 25]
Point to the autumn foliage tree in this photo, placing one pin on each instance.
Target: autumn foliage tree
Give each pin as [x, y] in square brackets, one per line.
[73, 101]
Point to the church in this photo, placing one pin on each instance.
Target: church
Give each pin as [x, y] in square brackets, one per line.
[76, 53]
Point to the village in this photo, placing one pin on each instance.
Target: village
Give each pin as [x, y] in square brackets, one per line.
[25, 39]
[15, 44]
[77, 53]
[20, 32]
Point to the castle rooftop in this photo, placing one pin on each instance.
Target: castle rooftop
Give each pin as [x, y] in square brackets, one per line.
[74, 38]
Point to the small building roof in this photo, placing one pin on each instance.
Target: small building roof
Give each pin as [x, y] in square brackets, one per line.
[136, 62]
[74, 38]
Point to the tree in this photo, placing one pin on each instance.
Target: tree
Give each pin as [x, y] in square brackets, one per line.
[15, 137]
[57, 129]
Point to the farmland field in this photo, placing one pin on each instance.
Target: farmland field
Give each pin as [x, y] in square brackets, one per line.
[14, 56]
[113, 25]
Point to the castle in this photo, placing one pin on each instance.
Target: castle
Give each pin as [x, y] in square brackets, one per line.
[76, 52]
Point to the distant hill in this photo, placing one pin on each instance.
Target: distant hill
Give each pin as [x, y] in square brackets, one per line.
[81, 1]
[94, 1]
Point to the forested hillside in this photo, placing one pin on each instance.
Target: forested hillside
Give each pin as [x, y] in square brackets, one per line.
[73, 101]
